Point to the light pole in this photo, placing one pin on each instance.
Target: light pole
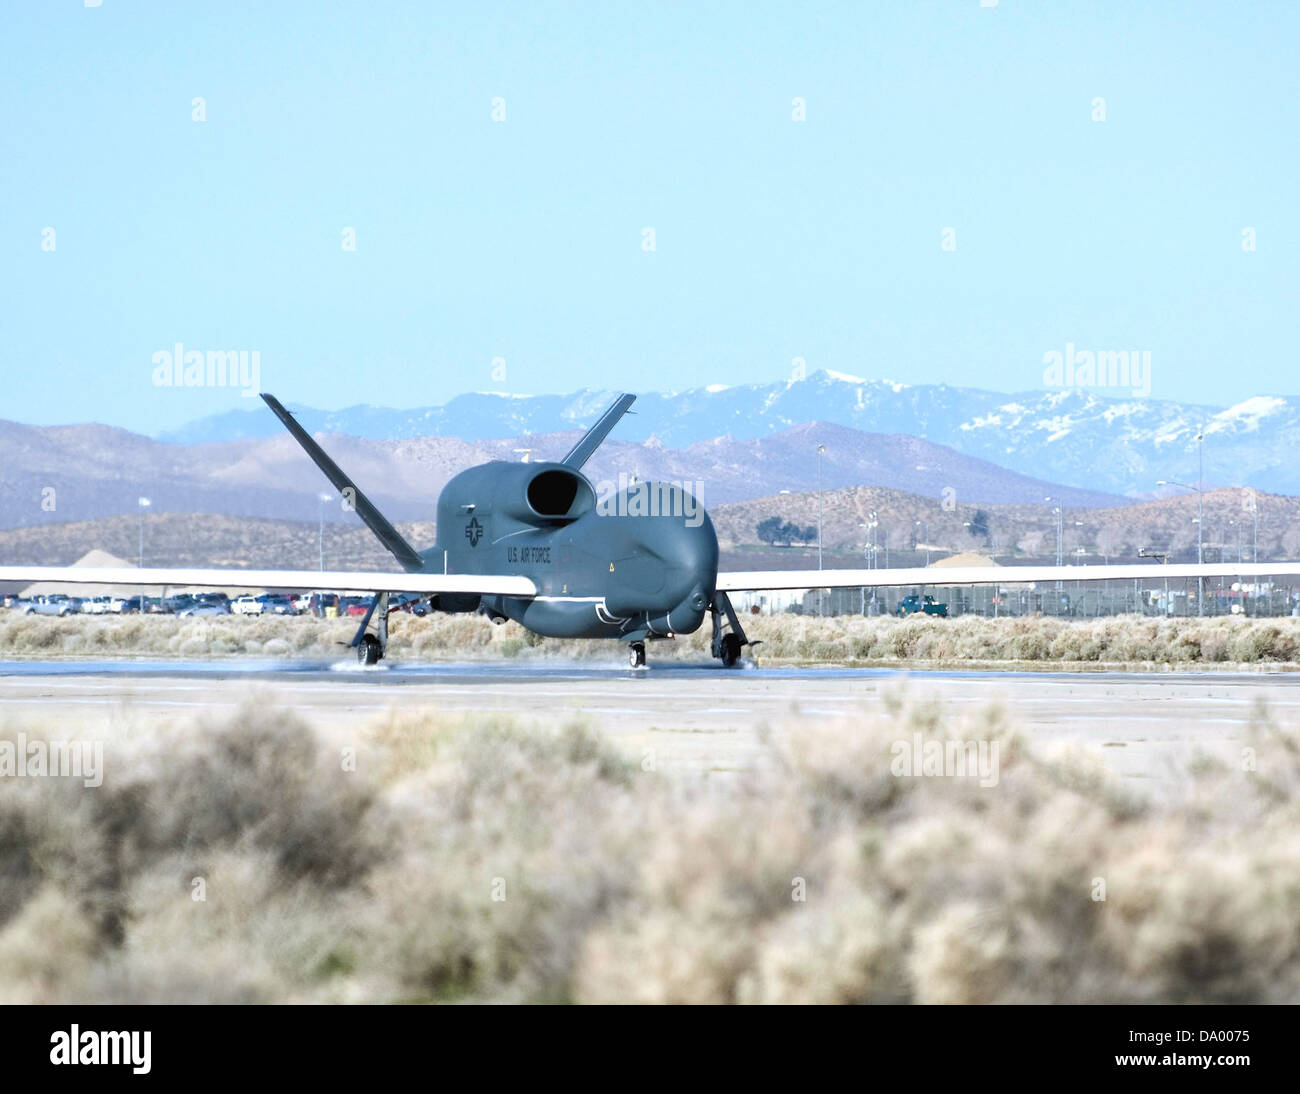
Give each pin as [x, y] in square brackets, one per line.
[144, 504]
[925, 531]
[820, 449]
[1200, 516]
[1200, 550]
[320, 517]
[1254, 509]
[875, 558]
[1056, 512]
[869, 553]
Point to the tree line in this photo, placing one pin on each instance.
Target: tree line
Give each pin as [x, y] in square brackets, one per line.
[776, 530]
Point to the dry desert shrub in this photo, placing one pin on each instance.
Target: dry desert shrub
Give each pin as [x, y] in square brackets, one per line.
[1116, 640]
[481, 858]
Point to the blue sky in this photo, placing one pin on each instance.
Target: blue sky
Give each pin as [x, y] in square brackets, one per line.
[522, 239]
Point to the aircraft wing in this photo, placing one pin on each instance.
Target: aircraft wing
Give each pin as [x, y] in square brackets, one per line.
[747, 580]
[482, 584]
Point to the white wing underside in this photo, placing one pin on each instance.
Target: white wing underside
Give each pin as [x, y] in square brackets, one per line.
[483, 584]
[735, 581]
[755, 580]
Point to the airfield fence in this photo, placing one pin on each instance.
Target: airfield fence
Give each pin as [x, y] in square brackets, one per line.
[1065, 599]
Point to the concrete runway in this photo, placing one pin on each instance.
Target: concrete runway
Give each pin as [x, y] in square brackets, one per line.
[694, 717]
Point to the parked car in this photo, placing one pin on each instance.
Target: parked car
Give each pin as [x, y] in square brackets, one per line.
[415, 603]
[322, 605]
[150, 605]
[246, 605]
[54, 604]
[274, 604]
[9, 600]
[354, 605]
[101, 605]
[204, 607]
[912, 603]
[221, 600]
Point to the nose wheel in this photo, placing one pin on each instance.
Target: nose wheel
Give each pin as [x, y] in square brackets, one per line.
[636, 655]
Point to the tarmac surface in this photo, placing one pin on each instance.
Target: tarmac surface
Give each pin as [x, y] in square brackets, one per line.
[692, 716]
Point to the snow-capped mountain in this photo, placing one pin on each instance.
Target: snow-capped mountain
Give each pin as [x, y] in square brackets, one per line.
[1075, 436]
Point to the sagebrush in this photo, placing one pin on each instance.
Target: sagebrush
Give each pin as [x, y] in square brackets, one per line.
[1116, 640]
[427, 858]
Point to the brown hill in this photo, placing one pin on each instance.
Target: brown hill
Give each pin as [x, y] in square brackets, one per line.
[906, 524]
[72, 473]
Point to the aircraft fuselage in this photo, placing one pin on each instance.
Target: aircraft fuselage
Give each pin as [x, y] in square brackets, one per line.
[641, 563]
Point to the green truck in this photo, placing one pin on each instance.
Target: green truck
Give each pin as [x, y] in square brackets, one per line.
[913, 603]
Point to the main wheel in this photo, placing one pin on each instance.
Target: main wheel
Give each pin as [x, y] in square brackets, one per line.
[369, 651]
[730, 649]
[636, 655]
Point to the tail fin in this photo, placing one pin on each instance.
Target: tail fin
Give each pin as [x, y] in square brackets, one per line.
[389, 536]
[591, 439]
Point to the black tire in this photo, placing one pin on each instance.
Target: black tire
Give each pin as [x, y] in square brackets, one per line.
[636, 655]
[730, 654]
[368, 650]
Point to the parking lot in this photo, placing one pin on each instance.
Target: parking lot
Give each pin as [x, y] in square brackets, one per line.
[323, 605]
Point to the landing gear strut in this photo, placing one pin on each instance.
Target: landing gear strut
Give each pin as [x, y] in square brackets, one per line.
[372, 647]
[726, 646]
[636, 655]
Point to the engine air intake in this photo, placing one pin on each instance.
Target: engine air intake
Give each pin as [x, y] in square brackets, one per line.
[552, 493]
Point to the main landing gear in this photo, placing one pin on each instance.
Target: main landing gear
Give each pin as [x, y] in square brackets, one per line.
[726, 646]
[369, 651]
[372, 647]
[729, 637]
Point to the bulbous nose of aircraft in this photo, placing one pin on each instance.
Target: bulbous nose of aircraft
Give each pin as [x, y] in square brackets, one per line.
[672, 569]
[693, 562]
[692, 571]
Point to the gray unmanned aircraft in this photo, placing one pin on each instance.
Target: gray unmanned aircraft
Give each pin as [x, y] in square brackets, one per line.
[532, 542]
[634, 570]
